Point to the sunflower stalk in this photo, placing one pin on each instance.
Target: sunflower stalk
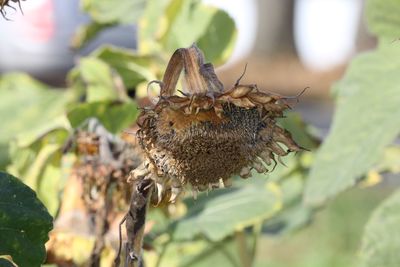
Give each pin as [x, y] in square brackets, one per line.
[243, 250]
[135, 223]
[202, 138]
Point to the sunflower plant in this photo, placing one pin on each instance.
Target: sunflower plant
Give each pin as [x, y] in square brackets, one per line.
[123, 177]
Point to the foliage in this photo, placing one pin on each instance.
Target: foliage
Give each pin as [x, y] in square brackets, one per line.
[107, 11]
[255, 202]
[332, 240]
[357, 142]
[209, 230]
[24, 222]
[367, 118]
[24, 97]
[164, 26]
[383, 20]
[98, 87]
[366, 121]
[381, 242]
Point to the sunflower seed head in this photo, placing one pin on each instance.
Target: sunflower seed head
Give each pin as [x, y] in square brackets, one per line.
[207, 135]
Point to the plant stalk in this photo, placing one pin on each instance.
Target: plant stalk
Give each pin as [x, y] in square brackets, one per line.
[244, 254]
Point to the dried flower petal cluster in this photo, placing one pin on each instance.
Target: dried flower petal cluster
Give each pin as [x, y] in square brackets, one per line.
[104, 160]
[207, 134]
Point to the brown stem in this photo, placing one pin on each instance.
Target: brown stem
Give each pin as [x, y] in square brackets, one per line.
[135, 222]
[244, 256]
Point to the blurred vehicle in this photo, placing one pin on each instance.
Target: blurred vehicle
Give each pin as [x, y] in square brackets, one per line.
[38, 41]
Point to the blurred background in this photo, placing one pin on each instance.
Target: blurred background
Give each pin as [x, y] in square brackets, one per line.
[288, 45]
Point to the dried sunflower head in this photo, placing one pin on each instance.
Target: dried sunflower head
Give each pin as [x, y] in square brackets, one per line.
[208, 134]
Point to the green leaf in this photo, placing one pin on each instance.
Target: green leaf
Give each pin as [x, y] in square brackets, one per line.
[390, 161]
[24, 223]
[38, 166]
[28, 109]
[288, 221]
[381, 242]
[191, 21]
[293, 214]
[383, 18]
[197, 253]
[85, 33]
[367, 119]
[152, 26]
[223, 253]
[99, 80]
[4, 157]
[219, 39]
[219, 214]
[132, 68]
[106, 14]
[188, 21]
[22, 103]
[114, 116]
[110, 11]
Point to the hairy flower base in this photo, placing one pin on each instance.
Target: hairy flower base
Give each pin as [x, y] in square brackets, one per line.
[205, 137]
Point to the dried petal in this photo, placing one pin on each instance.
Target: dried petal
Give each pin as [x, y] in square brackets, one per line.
[245, 172]
[277, 149]
[240, 91]
[259, 166]
[283, 136]
[258, 97]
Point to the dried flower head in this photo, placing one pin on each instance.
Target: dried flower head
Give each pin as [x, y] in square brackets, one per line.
[104, 161]
[207, 134]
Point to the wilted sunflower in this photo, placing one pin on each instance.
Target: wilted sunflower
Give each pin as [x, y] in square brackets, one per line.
[207, 134]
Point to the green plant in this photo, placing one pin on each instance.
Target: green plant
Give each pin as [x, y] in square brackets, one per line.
[77, 147]
[51, 154]
[366, 122]
[25, 223]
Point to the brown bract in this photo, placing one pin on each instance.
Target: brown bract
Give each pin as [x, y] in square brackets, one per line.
[208, 134]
